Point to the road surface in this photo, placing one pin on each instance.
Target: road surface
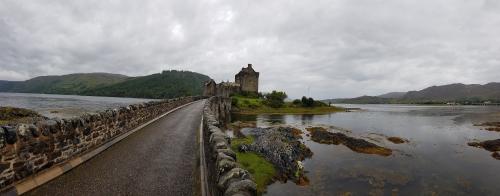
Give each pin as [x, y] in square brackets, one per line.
[160, 159]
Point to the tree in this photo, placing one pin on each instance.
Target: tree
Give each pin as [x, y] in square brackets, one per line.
[304, 100]
[307, 102]
[275, 99]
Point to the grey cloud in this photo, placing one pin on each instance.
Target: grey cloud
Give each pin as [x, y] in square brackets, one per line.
[339, 48]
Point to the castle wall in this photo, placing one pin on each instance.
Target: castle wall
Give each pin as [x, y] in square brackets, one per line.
[210, 89]
[226, 89]
[248, 83]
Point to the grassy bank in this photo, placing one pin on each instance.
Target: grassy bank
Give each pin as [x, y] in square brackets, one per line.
[245, 105]
[261, 170]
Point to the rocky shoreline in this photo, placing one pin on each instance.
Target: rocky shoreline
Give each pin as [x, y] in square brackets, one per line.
[489, 126]
[282, 147]
[489, 145]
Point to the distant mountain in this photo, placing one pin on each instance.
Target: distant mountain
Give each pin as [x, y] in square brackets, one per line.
[393, 95]
[64, 84]
[459, 93]
[5, 85]
[167, 84]
[456, 92]
[361, 100]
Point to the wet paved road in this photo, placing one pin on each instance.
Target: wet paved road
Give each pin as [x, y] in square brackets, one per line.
[160, 159]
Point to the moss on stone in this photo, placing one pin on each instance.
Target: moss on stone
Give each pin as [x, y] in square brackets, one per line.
[262, 170]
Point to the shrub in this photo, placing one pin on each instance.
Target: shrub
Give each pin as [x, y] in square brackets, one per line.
[275, 99]
[234, 102]
[320, 104]
[297, 102]
[307, 102]
[249, 94]
[253, 105]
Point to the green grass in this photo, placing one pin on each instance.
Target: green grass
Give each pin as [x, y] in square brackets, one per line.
[261, 170]
[247, 105]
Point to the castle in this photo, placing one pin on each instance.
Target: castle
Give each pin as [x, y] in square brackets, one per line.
[247, 81]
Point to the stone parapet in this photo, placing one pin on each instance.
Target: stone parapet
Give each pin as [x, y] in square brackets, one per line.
[27, 149]
[224, 174]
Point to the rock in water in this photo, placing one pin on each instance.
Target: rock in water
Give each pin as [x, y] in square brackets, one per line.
[496, 155]
[321, 135]
[489, 145]
[397, 140]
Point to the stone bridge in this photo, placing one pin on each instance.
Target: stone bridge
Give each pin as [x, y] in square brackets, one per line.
[170, 147]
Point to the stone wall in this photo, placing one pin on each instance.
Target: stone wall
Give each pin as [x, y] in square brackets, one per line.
[225, 176]
[27, 149]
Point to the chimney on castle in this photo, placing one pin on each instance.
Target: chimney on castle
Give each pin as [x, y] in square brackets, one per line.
[249, 65]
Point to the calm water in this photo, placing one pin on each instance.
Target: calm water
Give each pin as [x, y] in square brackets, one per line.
[63, 106]
[437, 159]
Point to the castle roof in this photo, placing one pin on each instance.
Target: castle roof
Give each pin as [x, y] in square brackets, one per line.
[211, 81]
[247, 70]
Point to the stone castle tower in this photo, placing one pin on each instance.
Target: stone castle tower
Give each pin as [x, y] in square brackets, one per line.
[248, 79]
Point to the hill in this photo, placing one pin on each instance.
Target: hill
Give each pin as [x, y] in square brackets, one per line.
[459, 93]
[6, 85]
[64, 84]
[361, 100]
[167, 84]
[393, 95]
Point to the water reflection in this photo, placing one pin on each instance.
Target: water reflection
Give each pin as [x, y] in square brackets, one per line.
[436, 160]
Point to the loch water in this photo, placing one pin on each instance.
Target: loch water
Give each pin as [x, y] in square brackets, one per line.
[435, 161]
[64, 106]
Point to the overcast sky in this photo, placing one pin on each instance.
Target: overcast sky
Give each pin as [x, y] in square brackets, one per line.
[336, 48]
